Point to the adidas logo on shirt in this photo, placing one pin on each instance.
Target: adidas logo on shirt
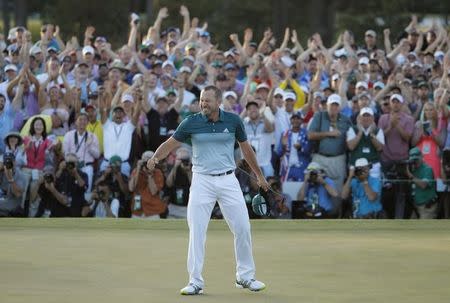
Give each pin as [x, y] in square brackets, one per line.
[226, 130]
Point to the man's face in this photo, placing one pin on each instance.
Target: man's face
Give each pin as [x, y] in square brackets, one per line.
[363, 102]
[296, 122]
[162, 107]
[115, 75]
[2, 103]
[253, 112]
[223, 85]
[366, 120]
[92, 114]
[262, 93]
[423, 92]
[370, 41]
[289, 105]
[118, 115]
[312, 66]
[208, 102]
[333, 109]
[151, 80]
[396, 106]
[11, 74]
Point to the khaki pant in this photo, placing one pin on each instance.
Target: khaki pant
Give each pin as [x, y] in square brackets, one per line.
[427, 213]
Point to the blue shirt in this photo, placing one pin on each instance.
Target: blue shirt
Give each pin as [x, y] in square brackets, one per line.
[212, 142]
[6, 124]
[365, 205]
[325, 200]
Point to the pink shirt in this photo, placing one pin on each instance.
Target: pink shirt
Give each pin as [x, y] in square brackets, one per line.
[395, 148]
[86, 149]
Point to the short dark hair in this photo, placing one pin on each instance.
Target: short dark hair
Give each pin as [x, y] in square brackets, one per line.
[217, 91]
[33, 131]
[103, 184]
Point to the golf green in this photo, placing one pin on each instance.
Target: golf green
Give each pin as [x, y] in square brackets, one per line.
[89, 260]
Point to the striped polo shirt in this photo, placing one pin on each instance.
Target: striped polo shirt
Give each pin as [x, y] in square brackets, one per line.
[212, 142]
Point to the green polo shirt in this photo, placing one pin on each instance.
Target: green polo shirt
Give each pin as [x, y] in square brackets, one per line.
[422, 196]
[212, 142]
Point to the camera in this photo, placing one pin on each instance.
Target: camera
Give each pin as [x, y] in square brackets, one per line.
[359, 171]
[48, 178]
[70, 165]
[8, 161]
[313, 176]
[93, 95]
[427, 128]
[101, 195]
[185, 162]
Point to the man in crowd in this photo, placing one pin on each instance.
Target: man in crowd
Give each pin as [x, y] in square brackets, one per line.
[259, 131]
[178, 183]
[317, 193]
[85, 145]
[365, 191]
[12, 187]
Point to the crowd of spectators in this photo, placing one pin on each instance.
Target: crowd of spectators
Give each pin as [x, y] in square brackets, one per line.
[354, 130]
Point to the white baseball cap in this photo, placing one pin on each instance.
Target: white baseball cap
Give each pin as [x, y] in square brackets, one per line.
[334, 77]
[371, 32]
[263, 85]
[127, 98]
[35, 50]
[189, 58]
[278, 91]
[87, 50]
[168, 62]
[341, 52]
[361, 162]
[313, 166]
[362, 84]
[363, 60]
[185, 69]
[378, 84]
[366, 110]
[334, 99]
[10, 67]
[397, 97]
[289, 96]
[229, 93]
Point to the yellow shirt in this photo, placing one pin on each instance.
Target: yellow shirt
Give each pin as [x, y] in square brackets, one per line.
[301, 98]
[97, 129]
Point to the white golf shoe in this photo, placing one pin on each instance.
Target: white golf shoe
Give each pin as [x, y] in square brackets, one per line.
[253, 285]
[191, 289]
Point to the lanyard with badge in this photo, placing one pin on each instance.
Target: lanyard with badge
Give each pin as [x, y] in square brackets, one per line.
[117, 133]
[255, 140]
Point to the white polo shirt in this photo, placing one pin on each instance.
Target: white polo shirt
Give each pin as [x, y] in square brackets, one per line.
[117, 139]
[260, 140]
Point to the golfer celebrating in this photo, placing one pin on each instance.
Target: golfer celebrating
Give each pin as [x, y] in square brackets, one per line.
[213, 133]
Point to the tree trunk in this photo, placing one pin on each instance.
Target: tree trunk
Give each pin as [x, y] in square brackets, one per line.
[20, 12]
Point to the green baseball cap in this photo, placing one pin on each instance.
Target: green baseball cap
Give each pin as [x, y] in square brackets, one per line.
[415, 154]
[115, 160]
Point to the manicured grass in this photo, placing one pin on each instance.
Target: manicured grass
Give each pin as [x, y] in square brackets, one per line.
[74, 260]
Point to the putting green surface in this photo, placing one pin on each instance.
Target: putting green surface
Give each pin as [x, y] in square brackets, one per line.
[75, 260]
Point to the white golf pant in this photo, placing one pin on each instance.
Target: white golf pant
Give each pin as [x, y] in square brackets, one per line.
[204, 192]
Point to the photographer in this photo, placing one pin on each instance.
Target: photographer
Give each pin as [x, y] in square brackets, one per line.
[12, 186]
[53, 203]
[317, 193]
[365, 191]
[423, 185]
[280, 204]
[146, 186]
[178, 183]
[102, 205]
[118, 185]
[72, 184]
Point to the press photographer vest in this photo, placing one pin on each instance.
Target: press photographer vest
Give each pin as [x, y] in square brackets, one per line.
[364, 149]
